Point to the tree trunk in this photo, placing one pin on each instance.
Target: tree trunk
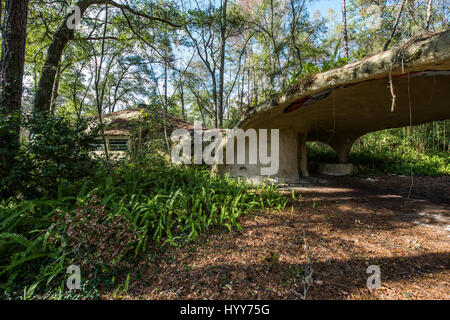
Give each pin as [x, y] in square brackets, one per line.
[249, 94]
[222, 62]
[13, 54]
[386, 45]
[166, 103]
[12, 66]
[1, 12]
[54, 53]
[294, 33]
[60, 39]
[241, 100]
[182, 100]
[55, 90]
[427, 23]
[99, 93]
[255, 88]
[344, 28]
[214, 93]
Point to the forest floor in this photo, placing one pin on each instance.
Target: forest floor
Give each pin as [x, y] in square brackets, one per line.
[335, 227]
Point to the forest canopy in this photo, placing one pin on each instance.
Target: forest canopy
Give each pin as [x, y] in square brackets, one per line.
[208, 60]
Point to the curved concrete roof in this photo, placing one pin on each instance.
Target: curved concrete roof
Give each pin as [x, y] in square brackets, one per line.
[355, 99]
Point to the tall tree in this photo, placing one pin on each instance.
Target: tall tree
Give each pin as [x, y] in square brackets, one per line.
[394, 28]
[223, 42]
[344, 28]
[61, 37]
[1, 13]
[100, 86]
[12, 68]
[427, 23]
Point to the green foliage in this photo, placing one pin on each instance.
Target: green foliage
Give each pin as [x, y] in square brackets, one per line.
[30, 243]
[391, 151]
[107, 221]
[174, 205]
[9, 146]
[57, 150]
[309, 68]
[335, 61]
[367, 39]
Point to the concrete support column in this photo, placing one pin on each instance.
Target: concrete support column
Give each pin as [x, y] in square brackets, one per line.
[302, 154]
[287, 162]
[342, 148]
[288, 148]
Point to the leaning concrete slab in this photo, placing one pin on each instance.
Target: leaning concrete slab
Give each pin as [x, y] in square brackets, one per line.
[338, 106]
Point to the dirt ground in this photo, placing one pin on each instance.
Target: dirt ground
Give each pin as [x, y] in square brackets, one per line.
[334, 229]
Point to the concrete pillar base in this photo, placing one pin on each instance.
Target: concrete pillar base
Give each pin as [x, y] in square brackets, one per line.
[302, 154]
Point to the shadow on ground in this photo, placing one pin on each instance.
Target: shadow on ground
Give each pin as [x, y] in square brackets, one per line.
[334, 230]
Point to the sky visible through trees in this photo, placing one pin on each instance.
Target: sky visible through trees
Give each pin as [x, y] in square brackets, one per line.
[204, 60]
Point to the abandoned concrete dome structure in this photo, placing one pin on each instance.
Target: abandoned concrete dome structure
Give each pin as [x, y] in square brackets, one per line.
[338, 106]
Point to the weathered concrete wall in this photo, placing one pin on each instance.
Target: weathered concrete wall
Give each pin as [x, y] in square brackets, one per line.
[288, 170]
[338, 106]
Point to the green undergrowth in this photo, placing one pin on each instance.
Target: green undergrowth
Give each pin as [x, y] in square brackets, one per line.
[384, 153]
[109, 221]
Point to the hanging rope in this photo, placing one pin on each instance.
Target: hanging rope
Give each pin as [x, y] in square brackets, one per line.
[410, 124]
[391, 85]
[334, 117]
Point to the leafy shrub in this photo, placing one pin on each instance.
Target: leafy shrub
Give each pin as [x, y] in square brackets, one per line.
[57, 150]
[106, 220]
[9, 145]
[404, 160]
[174, 205]
[386, 152]
[30, 243]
